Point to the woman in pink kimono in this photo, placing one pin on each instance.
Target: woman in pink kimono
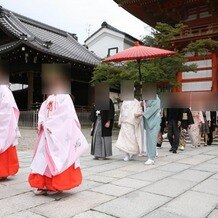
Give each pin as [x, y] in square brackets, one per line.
[9, 133]
[195, 129]
[130, 138]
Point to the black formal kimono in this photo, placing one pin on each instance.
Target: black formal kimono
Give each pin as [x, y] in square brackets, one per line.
[102, 136]
[187, 118]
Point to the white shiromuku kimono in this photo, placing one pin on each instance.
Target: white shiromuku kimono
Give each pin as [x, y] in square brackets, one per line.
[60, 141]
[130, 139]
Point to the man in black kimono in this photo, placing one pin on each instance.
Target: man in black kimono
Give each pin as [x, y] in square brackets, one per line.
[174, 118]
[102, 132]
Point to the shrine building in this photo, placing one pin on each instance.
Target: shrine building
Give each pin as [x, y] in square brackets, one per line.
[26, 44]
[201, 18]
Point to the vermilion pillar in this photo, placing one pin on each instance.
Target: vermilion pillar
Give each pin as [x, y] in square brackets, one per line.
[214, 73]
[179, 80]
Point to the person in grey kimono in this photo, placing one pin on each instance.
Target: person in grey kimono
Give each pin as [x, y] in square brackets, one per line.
[152, 120]
[101, 133]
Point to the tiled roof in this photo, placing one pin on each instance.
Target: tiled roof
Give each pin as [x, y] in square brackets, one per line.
[44, 38]
[9, 46]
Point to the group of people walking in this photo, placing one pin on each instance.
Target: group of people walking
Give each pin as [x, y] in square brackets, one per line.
[143, 125]
[55, 165]
[139, 127]
[181, 123]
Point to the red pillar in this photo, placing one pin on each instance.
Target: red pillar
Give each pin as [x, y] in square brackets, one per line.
[179, 80]
[214, 73]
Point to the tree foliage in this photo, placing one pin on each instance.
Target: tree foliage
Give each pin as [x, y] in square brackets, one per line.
[163, 34]
[201, 47]
[153, 71]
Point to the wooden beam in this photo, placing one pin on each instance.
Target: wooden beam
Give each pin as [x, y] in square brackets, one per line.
[196, 80]
[200, 57]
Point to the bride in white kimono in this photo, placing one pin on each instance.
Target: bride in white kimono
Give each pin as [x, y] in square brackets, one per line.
[130, 138]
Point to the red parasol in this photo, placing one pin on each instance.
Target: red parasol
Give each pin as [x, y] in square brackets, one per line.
[138, 53]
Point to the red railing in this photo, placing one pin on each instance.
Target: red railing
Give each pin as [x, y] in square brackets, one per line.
[198, 31]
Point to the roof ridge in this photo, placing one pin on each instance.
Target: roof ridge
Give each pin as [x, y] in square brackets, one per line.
[38, 36]
[21, 26]
[106, 25]
[9, 45]
[119, 31]
[17, 24]
[39, 24]
[110, 27]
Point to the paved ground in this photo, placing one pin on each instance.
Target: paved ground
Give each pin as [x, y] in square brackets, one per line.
[178, 185]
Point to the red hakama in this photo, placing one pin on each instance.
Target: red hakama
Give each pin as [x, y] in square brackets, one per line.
[67, 180]
[9, 164]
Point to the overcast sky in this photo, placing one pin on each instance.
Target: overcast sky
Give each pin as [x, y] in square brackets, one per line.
[82, 17]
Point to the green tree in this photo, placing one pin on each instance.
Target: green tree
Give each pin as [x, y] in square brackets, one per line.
[203, 46]
[162, 35]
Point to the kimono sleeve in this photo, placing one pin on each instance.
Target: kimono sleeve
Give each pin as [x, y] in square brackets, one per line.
[139, 108]
[180, 114]
[111, 111]
[119, 120]
[61, 113]
[190, 117]
[5, 117]
[41, 114]
[152, 109]
[200, 116]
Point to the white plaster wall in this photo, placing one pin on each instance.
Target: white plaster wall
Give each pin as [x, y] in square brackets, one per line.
[105, 39]
[102, 43]
[197, 86]
[198, 74]
[127, 45]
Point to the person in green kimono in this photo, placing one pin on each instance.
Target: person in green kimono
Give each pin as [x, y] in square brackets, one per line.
[152, 120]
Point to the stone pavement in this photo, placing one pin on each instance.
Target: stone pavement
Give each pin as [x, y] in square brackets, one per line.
[178, 185]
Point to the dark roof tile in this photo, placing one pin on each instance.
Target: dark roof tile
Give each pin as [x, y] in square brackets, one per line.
[61, 43]
[108, 26]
